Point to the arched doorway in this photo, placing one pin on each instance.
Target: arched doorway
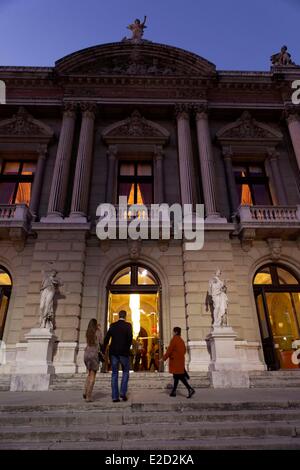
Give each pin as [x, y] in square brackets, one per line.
[137, 290]
[277, 296]
[5, 291]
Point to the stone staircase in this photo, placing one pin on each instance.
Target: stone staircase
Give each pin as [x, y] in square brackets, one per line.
[275, 379]
[137, 380]
[4, 382]
[172, 425]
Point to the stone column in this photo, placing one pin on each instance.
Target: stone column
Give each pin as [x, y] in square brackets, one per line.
[158, 175]
[60, 177]
[234, 201]
[186, 170]
[38, 181]
[111, 172]
[83, 164]
[278, 181]
[293, 121]
[207, 164]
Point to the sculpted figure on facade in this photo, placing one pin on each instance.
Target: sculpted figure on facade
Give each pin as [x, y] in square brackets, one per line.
[282, 58]
[137, 29]
[217, 300]
[48, 290]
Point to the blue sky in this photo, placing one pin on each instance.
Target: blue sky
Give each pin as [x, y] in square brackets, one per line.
[233, 34]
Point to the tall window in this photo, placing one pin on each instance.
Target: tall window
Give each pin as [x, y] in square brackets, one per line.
[16, 180]
[135, 181]
[252, 185]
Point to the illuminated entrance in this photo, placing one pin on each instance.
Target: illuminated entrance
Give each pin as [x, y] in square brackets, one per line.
[277, 295]
[5, 291]
[137, 290]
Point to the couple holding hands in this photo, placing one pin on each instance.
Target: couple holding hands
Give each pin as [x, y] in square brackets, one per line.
[119, 338]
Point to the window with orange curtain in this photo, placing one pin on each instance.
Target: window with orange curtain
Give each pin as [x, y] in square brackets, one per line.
[135, 181]
[16, 178]
[252, 185]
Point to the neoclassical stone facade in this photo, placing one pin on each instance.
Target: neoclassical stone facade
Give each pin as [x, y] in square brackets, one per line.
[158, 124]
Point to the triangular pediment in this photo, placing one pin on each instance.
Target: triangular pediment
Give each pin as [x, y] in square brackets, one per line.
[23, 126]
[135, 128]
[248, 129]
[125, 58]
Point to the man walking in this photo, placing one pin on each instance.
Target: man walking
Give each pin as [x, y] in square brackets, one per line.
[120, 334]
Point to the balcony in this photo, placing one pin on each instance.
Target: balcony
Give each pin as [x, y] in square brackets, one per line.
[15, 222]
[262, 222]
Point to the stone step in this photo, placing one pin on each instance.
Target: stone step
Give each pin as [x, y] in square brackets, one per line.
[148, 431]
[127, 417]
[282, 443]
[4, 382]
[176, 406]
[136, 381]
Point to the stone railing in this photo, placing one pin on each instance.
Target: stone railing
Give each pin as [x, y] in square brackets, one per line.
[15, 213]
[269, 214]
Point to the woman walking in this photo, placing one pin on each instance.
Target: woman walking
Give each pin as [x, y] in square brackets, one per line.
[91, 356]
[175, 353]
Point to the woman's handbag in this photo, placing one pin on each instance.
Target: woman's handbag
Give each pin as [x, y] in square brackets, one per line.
[186, 375]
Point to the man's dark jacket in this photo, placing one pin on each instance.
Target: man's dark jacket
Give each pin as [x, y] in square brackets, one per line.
[120, 333]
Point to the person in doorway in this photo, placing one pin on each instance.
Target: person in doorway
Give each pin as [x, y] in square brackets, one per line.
[91, 356]
[153, 357]
[120, 337]
[175, 353]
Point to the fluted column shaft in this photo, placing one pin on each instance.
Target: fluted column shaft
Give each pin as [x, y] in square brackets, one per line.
[185, 156]
[60, 177]
[278, 181]
[293, 121]
[158, 176]
[111, 170]
[83, 164]
[234, 201]
[206, 164]
[38, 181]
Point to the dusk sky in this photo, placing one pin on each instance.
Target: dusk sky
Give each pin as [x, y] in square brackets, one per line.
[233, 34]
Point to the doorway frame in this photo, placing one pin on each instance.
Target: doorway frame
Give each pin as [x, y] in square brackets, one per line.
[135, 288]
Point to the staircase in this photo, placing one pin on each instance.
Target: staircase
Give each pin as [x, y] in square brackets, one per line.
[275, 379]
[160, 424]
[137, 380]
[4, 382]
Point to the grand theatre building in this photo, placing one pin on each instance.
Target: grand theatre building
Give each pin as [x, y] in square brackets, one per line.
[156, 124]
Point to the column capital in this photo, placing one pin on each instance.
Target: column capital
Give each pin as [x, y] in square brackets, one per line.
[292, 116]
[70, 109]
[42, 150]
[88, 109]
[182, 110]
[291, 112]
[227, 152]
[272, 153]
[112, 152]
[158, 152]
[201, 111]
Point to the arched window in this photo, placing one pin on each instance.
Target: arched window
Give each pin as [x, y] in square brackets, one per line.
[136, 289]
[5, 291]
[277, 295]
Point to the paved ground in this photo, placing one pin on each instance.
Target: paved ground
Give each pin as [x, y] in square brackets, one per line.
[150, 396]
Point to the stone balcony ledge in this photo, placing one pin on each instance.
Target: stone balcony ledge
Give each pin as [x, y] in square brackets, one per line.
[268, 221]
[15, 222]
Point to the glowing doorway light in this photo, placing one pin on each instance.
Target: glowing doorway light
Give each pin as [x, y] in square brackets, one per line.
[134, 304]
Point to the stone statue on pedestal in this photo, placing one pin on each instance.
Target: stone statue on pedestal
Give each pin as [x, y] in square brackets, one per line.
[137, 29]
[282, 58]
[48, 290]
[217, 300]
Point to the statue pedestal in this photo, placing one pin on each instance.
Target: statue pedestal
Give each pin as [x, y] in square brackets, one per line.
[225, 368]
[34, 368]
